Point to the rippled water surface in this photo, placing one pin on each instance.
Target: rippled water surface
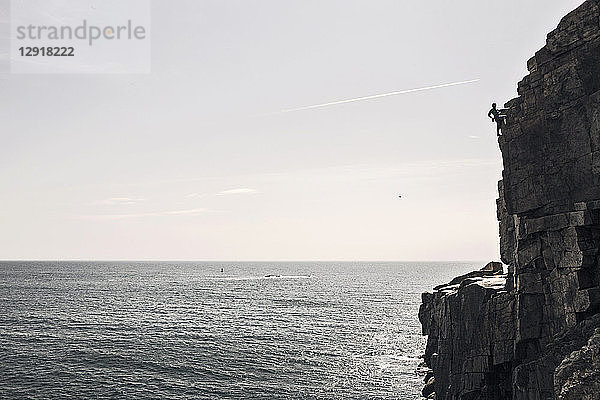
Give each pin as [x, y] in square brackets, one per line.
[188, 330]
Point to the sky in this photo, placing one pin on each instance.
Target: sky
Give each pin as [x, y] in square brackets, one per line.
[196, 161]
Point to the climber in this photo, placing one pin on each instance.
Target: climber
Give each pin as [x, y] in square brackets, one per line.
[497, 116]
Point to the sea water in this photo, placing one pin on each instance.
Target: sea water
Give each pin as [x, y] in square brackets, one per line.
[214, 330]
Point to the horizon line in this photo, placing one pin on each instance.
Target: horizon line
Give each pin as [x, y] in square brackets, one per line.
[222, 261]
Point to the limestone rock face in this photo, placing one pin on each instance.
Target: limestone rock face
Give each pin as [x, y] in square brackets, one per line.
[534, 333]
[578, 375]
[551, 143]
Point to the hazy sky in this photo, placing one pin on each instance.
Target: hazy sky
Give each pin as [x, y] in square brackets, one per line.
[195, 161]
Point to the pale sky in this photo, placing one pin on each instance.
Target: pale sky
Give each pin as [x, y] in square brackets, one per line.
[195, 161]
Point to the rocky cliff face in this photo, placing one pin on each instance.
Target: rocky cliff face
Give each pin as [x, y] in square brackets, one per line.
[534, 333]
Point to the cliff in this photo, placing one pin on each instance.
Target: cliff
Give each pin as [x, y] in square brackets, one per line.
[534, 333]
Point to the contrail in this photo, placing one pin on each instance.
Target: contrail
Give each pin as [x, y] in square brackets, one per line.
[375, 96]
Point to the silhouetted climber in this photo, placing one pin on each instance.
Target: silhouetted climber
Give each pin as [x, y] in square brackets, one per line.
[497, 116]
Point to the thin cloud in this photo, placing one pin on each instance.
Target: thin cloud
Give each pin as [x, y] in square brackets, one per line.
[195, 195]
[237, 191]
[191, 211]
[188, 212]
[473, 137]
[118, 201]
[376, 96]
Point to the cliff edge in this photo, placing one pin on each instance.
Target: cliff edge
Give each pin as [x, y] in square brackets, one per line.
[534, 333]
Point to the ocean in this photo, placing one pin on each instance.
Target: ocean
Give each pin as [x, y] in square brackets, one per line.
[186, 330]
